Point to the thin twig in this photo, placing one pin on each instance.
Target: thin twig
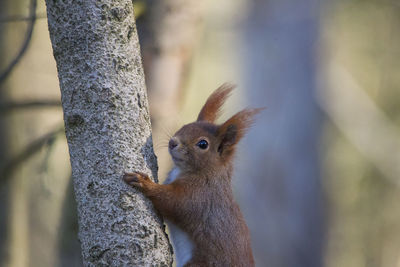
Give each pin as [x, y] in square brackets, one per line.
[17, 18]
[7, 169]
[28, 37]
[11, 106]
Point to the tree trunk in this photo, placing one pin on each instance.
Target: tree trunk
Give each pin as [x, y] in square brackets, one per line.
[108, 130]
[284, 171]
[169, 36]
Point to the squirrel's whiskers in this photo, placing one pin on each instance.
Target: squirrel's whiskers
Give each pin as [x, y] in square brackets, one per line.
[206, 225]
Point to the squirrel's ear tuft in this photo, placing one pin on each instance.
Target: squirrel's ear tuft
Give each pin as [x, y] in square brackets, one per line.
[212, 107]
[234, 129]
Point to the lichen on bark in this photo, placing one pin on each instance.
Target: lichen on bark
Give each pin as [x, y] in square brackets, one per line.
[108, 130]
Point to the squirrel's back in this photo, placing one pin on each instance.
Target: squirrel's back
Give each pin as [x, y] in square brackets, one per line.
[217, 234]
[206, 225]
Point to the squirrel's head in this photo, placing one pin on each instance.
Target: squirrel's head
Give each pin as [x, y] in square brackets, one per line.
[203, 144]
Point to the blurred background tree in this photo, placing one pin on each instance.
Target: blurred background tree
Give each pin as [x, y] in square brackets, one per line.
[317, 177]
[279, 181]
[35, 166]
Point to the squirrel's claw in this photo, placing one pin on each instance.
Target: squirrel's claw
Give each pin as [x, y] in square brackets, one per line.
[130, 178]
[135, 178]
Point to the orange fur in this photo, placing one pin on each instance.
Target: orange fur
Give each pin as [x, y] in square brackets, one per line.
[234, 129]
[200, 200]
[212, 108]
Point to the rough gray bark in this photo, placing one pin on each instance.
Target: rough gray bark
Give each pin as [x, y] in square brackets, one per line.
[108, 130]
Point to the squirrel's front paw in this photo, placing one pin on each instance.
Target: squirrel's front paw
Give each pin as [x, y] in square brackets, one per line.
[137, 179]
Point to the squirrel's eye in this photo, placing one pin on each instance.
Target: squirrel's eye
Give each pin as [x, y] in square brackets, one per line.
[203, 144]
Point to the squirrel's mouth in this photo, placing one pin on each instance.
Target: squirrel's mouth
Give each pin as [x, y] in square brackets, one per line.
[177, 159]
[176, 156]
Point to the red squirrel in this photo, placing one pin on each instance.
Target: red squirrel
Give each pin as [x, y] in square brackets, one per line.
[197, 201]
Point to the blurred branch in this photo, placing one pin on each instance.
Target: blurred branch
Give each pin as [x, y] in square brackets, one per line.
[28, 37]
[10, 106]
[21, 18]
[7, 168]
[361, 121]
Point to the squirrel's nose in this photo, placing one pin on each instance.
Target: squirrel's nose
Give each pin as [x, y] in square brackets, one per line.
[172, 143]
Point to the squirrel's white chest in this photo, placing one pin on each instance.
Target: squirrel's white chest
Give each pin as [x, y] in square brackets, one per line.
[183, 246]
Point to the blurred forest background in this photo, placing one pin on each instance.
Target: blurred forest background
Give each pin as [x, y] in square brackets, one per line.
[318, 175]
